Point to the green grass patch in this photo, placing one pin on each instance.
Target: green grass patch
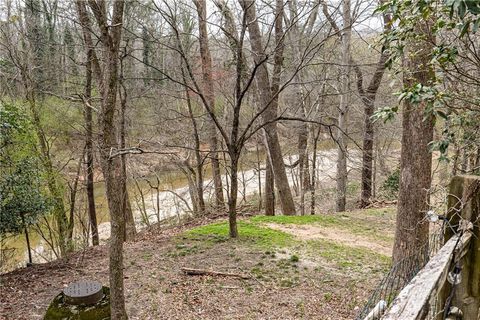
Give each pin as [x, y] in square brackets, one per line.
[248, 232]
[348, 257]
[299, 220]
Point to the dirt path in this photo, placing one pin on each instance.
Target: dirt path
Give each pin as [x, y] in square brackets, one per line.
[312, 232]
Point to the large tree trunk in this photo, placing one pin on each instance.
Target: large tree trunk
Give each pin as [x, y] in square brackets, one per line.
[416, 160]
[343, 109]
[269, 99]
[92, 215]
[210, 99]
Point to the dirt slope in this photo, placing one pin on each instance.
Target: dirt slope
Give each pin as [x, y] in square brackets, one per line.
[314, 277]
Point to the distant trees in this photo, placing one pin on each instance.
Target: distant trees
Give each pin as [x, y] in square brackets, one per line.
[27, 47]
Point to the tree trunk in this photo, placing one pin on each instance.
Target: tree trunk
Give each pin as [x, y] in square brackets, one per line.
[416, 160]
[198, 155]
[367, 155]
[343, 110]
[210, 98]
[269, 188]
[73, 199]
[27, 239]
[314, 169]
[300, 32]
[107, 77]
[92, 215]
[368, 98]
[269, 100]
[130, 230]
[259, 173]
[304, 181]
[232, 199]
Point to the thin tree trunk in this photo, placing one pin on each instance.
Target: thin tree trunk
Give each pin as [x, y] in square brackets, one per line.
[303, 164]
[59, 212]
[314, 169]
[232, 199]
[299, 34]
[416, 160]
[33, 84]
[92, 215]
[259, 172]
[367, 155]
[343, 110]
[130, 230]
[269, 185]
[27, 239]
[368, 98]
[198, 155]
[210, 98]
[73, 198]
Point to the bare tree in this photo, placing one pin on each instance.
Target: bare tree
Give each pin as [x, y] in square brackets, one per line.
[107, 78]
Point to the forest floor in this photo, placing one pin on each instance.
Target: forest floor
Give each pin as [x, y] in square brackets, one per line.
[300, 267]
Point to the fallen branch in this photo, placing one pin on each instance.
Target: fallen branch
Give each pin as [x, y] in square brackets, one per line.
[200, 272]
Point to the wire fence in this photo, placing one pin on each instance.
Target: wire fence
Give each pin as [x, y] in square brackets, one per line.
[398, 277]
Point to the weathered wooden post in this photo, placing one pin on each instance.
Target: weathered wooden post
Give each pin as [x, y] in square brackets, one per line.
[464, 203]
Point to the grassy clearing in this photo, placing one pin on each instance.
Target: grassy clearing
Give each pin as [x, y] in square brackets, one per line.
[288, 250]
[250, 233]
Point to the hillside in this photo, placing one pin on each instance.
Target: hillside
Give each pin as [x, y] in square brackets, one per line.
[299, 267]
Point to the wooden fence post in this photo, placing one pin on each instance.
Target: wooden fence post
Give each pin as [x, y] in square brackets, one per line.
[464, 203]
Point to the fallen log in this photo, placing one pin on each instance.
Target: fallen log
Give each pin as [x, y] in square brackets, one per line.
[201, 272]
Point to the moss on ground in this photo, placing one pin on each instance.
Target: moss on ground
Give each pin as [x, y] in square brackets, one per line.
[249, 233]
